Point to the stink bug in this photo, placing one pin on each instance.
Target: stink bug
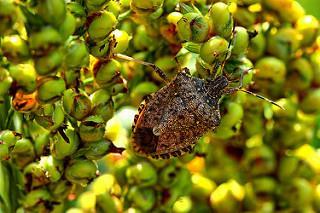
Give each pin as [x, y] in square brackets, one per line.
[171, 121]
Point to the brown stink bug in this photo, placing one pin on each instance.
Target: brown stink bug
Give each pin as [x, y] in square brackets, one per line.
[171, 121]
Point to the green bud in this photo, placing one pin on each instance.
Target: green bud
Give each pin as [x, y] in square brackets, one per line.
[81, 171]
[122, 39]
[292, 13]
[35, 174]
[233, 116]
[48, 64]
[36, 197]
[23, 152]
[94, 5]
[97, 150]
[168, 176]
[308, 26]
[41, 144]
[68, 26]
[145, 7]
[100, 48]
[143, 198]
[60, 148]
[5, 81]
[92, 129]
[9, 137]
[50, 116]
[221, 20]
[24, 75]
[15, 48]
[50, 89]
[119, 86]
[8, 16]
[77, 54]
[193, 27]
[300, 74]
[53, 168]
[259, 160]
[202, 187]
[142, 174]
[270, 68]
[182, 205]
[244, 17]
[53, 12]
[78, 13]
[284, 43]
[141, 90]
[257, 46]
[103, 105]
[264, 185]
[214, 50]
[60, 190]
[77, 105]
[102, 24]
[114, 7]
[240, 41]
[105, 72]
[44, 39]
[311, 101]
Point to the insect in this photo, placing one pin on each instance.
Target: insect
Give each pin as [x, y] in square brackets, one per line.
[170, 122]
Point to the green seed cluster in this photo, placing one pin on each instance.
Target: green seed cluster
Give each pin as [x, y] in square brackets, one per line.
[67, 96]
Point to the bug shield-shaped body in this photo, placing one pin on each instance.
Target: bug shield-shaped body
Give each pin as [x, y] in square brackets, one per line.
[171, 121]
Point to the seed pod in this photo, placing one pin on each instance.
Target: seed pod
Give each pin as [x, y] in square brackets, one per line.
[264, 185]
[50, 63]
[9, 137]
[168, 176]
[35, 174]
[24, 102]
[257, 46]
[214, 50]
[60, 190]
[244, 17]
[259, 160]
[300, 74]
[97, 150]
[15, 48]
[60, 148]
[23, 152]
[114, 7]
[142, 174]
[94, 5]
[53, 12]
[5, 81]
[50, 89]
[8, 16]
[24, 75]
[78, 13]
[271, 68]
[122, 40]
[202, 187]
[77, 105]
[81, 171]
[311, 101]
[292, 13]
[308, 26]
[145, 7]
[99, 49]
[92, 129]
[45, 39]
[101, 25]
[53, 168]
[284, 43]
[221, 19]
[240, 41]
[36, 199]
[68, 26]
[143, 198]
[50, 116]
[103, 105]
[193, 27]
[106, 72]
[41, 144]
[77, 54]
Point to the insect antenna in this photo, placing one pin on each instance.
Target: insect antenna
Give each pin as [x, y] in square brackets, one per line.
[153, 66]
[260, 96]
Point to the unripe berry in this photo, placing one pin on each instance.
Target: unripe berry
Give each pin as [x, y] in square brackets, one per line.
[214, 50]
[221, 19]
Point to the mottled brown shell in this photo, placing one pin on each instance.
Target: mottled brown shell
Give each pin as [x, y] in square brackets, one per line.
[172, 120]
